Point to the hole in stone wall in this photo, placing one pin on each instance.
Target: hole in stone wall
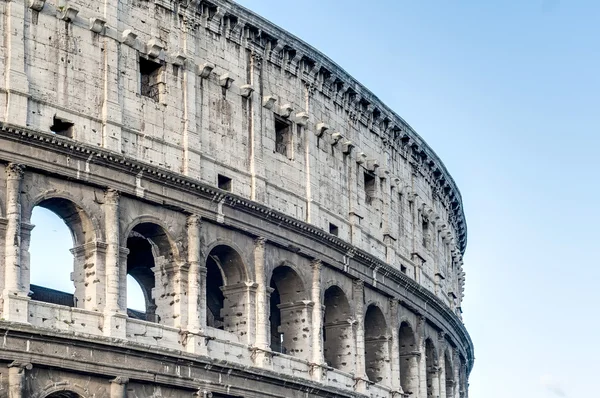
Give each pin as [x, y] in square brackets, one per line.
[224, 182]
[369, 186]
[333, 229]
[150, 78]
[283, 136]
[62, 127]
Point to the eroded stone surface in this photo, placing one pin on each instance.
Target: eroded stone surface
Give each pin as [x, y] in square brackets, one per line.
[292, 235]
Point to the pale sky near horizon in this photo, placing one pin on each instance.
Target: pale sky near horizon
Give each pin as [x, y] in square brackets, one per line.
[507, 94]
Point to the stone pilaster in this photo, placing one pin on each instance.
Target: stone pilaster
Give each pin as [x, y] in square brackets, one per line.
[262, 302]
[13, 105]
[14, 296]
[194, 228]
[114, 315]
[359, 303]
[112, 63]
[16, 379]
[420, 341]
[395, 347]
[317, 315]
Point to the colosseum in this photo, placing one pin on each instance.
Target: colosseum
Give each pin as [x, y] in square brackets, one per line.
[292, 235]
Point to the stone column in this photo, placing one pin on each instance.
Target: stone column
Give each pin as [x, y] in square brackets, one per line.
[317, 315]
[12, 276]
[14, 296]
[16, 379]
[194, 226]
[114, 317]
[118, 387]
[420, 341]
[395, 347]
[113, 63]
[262, 303]
[191, 139]
[262, 355]
[359, 304]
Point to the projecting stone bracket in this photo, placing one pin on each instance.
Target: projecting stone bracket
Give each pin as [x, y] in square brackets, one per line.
[321, 128]
[205, 69]
[67, 13]
[269, 101]
[153, 48]
[37, 5]
[336, 137]
[97, 24]
[302, 118]
[246, 90]
[178, 58]
[285, 111]
[347, 147]
[225, 81]
[129, 38]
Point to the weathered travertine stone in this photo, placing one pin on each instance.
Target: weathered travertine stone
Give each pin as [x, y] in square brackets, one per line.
[292, 235]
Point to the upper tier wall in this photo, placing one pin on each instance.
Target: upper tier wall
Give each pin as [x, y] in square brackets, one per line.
[209, 90]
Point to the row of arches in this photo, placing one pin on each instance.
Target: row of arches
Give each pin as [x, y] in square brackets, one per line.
[150, 255]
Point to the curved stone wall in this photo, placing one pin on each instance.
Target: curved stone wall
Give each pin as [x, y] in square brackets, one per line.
[285, 226]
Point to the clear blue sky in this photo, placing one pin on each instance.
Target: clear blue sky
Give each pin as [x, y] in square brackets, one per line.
[507, 94]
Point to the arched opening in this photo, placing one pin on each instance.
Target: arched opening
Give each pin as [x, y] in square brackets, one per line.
[376, 344]
[150, 263]
[431, 365]
[64, 394]
[409, 360]
[338, 339]
[226, 292]
[290, 313]
[60, 262]
[449, 375]
[136, 301]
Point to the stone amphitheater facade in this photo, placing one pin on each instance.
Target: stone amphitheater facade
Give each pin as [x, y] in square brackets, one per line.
[292, 235]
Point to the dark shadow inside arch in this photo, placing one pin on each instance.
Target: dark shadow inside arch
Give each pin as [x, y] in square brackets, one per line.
[54, 259]
[287, 289]
[337, 330]
[140, 266]
[147, 242]
[376, 344]
[225, 271]
[64, 394]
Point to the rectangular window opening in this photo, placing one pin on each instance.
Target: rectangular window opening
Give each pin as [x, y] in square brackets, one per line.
[425, 227]
[333, 229]
[369, 187]
[403, 269]
[62, 127]
[283, 136]
[224, 182]
[150, 78]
